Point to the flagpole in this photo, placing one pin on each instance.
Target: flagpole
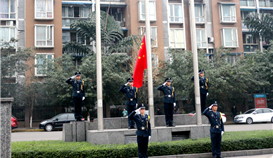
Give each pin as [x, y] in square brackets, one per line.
[99, 70]
[149, 65]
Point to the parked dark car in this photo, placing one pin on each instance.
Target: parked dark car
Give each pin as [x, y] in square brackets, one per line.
[57, 121]
[14, 123]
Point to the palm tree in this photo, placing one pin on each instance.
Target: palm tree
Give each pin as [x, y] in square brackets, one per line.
[260, 24]
[112, 37]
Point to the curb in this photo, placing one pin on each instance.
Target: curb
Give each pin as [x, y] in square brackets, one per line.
[224, 154]
[27, 130]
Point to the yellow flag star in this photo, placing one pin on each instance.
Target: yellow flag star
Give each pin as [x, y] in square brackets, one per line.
[141, 45]
[143, 56]
[139, 57]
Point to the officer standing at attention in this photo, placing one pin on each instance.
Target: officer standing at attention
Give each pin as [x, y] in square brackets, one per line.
[169, 101]
[131, 94]
[216, 128]
[204, 88]
[143, 130]
[78, 94]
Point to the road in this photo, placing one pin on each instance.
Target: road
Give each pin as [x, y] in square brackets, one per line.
[57, 135]
[255, 156]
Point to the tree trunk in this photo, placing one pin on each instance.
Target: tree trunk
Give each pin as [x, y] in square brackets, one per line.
[31, 111]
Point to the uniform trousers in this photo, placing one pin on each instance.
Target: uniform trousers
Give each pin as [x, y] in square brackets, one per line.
[203, 101]
[216, 144]
[130, 108]
[168, 107]
[142, 143]
[78, 108]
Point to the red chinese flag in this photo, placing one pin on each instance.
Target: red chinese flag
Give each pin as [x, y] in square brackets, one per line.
[141, 65]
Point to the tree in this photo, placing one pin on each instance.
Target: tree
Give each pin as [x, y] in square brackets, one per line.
[112, 37]
[228, 82]
[261, 23]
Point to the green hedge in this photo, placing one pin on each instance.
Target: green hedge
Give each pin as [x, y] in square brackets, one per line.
[232, 141]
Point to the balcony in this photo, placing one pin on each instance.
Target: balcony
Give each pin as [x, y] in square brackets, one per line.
[112, 0]
[265, 3]
[113, 3]
[250, 48]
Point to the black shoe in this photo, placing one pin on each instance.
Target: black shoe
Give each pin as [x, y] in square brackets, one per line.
[219, 157]
[172, 125]
[132, 127]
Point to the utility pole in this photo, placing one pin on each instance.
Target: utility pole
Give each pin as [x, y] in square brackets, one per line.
[195, 63]
[149, 64]
[99, 71]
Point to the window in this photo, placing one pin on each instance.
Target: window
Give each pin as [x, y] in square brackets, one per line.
[153, 35]
[176, 13]
[231, 59]
[266, 3]
[44, 36]
[44, 9]
[245, 13]
[75, 11]
[7, 10]
[250, 43]
[267, 110]
[42, 63]
[201, 38]
[228, 13]
[6, 33]
[247, 3]
[66, 37]
[154, 60]
[229, 37]
[177, 38]
[199, 13]
[259, 111]
[141, 10]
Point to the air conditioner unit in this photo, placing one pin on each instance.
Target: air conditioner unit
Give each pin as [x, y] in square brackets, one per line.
[210, 39]
[9, 23]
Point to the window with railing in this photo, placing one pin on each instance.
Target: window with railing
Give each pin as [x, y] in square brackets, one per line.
[6, 34]
[7, 9]
[44, 36]
[175, 13]
[42, 63]
[266, 3]
[201, 39]
[177, 38]
[228, 13]
[75, 12]
[250, 43]
[199, 13]
[152, 10]
[229, 37]
[247, 3]
[153, 34]
[44, 9]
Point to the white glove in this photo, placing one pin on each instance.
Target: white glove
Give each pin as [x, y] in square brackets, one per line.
[137, 110]
[174, 104]
[222, 133]
[126, 83]
[73, 77]
[207, 94]
[149, 137]
[164, 83]
[83, 98]
[136, 105]
[210, 106]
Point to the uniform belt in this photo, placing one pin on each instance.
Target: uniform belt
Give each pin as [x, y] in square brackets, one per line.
[168, 96]
[77, 91]
[142, 129]
[216, 126]
[202, 86]
[131, 99]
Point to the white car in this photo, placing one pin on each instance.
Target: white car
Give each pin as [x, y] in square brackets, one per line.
[255, 115]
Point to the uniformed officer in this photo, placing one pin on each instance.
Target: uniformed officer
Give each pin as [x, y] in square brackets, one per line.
[78, 94]
[216, 128]
[169, 101]
[143, 132]
[131, 94]
[204, 88]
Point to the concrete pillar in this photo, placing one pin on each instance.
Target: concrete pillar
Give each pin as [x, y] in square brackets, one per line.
[5, 127]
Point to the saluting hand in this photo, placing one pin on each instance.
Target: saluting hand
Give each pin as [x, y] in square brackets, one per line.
[210, 106]
[126, 83]
[164, 83]
[137, 110]
[73, 77]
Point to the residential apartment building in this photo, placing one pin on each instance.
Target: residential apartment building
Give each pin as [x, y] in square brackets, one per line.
[44, 23]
